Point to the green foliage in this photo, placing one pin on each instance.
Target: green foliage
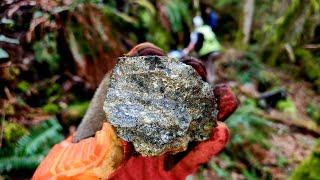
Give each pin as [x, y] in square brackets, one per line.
[142, 21]
[285, 21]
[287, 24]
[31, 148]
[8, 109]
[281, 161]
[200, 176]
[250, 69]
[21, 102]
[279, 30]
[53, 89]
[40, 136]
[160, 38]
[45, 51]
[248, 126]
[219, 171]
[146, 5]
[268, 80]
[313, 111]
[12, 132]
[75, 111]
[19, 162]
[250, 175]
[248, 129]
[246, 70]
[224, 3]
[10, 73]
[119, 19]
[310, 167]
[79, 45]
[310, 66]
[51, 108]
[177, 12]
[287, 106]
[23, 86]
[49, 94]
[78, 109]
[154, 33]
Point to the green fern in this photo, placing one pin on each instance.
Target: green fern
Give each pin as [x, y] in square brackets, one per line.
[19, 162]
[39, 136]
[31, 148]
[177, 12]
[248, 126]
[46, 51]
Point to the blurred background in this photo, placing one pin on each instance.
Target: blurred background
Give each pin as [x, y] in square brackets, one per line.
[53, 55]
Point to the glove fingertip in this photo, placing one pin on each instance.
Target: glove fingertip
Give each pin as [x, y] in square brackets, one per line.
[203, 151]
[145, 49]
[227, 102]
[217, 141]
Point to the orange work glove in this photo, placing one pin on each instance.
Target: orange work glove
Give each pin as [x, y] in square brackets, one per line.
[105, 156]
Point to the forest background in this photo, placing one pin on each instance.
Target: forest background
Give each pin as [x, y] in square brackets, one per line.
[53, 55]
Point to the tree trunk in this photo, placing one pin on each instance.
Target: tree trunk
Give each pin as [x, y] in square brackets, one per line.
[248, 10]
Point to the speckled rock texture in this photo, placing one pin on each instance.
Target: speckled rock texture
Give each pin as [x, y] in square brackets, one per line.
[159, 104]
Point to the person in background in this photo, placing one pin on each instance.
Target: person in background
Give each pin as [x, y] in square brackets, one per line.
[203, 40]
[212, 19]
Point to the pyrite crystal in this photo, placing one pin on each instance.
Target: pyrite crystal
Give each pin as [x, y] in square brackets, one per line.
[159, 104]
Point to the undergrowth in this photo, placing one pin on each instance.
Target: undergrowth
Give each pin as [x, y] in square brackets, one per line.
[247, 130]
[31, 148]
[310, 167]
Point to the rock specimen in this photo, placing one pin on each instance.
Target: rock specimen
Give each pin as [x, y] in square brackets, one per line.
[159, 104]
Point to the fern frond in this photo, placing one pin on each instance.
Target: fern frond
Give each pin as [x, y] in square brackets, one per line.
[16, 162]
[147, 5]
[6, 151]
[31, 148]
[177, 13]
[248, 126]
[36, 141]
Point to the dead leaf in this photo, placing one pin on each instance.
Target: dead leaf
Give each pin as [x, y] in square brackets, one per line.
[17, 5]
[96, 51]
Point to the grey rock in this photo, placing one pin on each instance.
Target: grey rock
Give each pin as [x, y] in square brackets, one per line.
[159, 104]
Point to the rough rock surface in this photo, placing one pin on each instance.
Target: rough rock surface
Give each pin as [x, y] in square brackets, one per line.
[159, 104]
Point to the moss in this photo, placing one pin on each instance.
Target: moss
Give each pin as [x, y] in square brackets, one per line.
[309, 66]
[29, 149]
[10, 73]
[8, 109]
[23, 86]
[53, 89]
[267, 80]
[287, 106]
[51, 108]
[12, 132]
[310, 167]
[314, 112]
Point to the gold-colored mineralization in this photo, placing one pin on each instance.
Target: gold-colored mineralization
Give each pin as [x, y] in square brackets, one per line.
[159, 104]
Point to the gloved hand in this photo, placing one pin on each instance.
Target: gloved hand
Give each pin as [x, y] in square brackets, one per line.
[105, 156]
[174, 166]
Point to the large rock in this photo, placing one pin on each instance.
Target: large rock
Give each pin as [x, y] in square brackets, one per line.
[159, 104]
